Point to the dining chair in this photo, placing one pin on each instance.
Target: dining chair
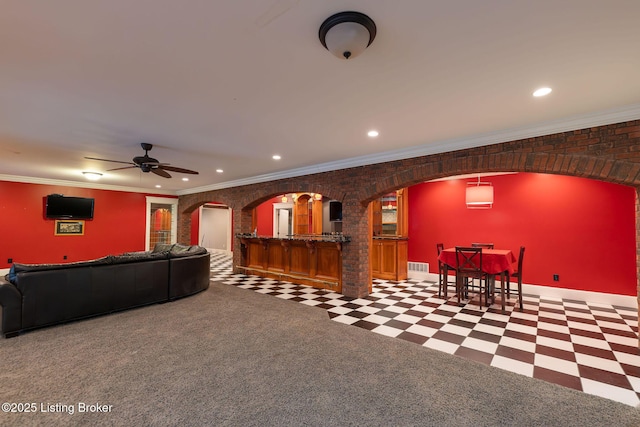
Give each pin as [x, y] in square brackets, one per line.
[443, 281]
[469, 266]
[518, 275]
[482, 245]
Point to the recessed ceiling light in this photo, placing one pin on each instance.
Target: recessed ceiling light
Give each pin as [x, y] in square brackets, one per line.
[93, 176]
[276, 157]
[372, 133]
[158, 186]
[219, 170]
[543, 91]
[185, 179]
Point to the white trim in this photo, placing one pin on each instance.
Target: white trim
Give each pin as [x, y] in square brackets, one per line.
[79, 184]
[600, 118]
[618, 115]
[595, 297]
[174, 218]
[551, 292]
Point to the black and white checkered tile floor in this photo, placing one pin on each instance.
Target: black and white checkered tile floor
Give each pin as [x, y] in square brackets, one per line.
[586, 346]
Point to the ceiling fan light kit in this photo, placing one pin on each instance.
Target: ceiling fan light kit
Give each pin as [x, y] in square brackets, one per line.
[148, 164]
[347, 34]
[93, 176]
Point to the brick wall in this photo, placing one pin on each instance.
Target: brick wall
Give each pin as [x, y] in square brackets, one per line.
[609, 153]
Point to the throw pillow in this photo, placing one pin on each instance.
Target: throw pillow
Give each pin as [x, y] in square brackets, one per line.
[12, 276]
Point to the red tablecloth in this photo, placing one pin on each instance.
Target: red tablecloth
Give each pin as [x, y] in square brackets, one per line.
[494, 261]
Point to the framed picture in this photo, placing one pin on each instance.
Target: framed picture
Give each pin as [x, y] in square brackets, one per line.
[69, 228]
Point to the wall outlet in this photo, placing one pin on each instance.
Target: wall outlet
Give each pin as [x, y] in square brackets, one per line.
[10, 260]
[556, 277]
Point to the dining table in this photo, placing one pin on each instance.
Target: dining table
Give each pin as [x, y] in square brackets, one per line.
[494, 262]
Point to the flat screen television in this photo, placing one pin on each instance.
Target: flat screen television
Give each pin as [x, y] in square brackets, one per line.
[61, 207]
[335, 211]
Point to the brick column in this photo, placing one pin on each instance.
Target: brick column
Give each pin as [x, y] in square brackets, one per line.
[355, 254]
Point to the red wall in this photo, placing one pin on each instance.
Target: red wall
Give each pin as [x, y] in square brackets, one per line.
[27, 237]
[583, 230]
[265, 216]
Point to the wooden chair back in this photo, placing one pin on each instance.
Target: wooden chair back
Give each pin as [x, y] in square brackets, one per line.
[482, 245]
[520, 259]
[469, 261]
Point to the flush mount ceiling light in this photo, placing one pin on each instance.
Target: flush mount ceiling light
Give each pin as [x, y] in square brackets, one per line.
[543, 91]
[93, 176]
[479, 195]
[347, 34]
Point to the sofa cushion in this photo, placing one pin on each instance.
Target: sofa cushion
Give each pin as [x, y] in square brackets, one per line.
[179, 251]
[18, 268]
[137, 256]
[162, 247]
[179, 248]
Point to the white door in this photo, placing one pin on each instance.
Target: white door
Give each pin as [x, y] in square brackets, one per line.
[284, 222]
[282, 218]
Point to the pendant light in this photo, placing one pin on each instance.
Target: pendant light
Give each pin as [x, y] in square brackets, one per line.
[479, 195]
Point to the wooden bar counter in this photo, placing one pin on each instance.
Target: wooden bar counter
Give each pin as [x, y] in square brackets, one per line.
[312, 260]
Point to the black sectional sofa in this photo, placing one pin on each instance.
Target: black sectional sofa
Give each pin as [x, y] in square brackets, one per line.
[38, 295]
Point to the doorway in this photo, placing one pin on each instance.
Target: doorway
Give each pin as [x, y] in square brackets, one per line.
[215, 227]
[162, 221]
[282, 219]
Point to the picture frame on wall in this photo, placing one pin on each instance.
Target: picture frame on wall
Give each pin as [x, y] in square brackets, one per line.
[69, 228]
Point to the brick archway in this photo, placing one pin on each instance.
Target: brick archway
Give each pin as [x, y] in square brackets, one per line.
[609, 153]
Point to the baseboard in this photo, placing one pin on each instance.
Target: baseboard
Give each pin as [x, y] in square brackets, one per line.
[630, 301]
[579, 295]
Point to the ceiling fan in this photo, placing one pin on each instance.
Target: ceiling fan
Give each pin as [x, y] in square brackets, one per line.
[147, 164]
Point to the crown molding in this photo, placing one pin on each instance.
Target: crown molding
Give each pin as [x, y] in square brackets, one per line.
[601, 118]
[77, 184]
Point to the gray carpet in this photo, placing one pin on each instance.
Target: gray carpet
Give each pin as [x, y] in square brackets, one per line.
[232, 357]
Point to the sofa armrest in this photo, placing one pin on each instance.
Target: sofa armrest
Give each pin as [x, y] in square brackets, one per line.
[11, 302]
[188, 275]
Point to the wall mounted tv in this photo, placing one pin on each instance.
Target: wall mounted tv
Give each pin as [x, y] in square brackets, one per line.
[61, 207]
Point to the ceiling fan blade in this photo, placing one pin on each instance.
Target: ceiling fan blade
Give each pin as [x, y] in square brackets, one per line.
[154, 164]
[107, 160]
[126, 167]
[160, 172]
[175, 169]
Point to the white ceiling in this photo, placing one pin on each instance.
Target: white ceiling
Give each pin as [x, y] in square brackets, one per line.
[227, 84]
